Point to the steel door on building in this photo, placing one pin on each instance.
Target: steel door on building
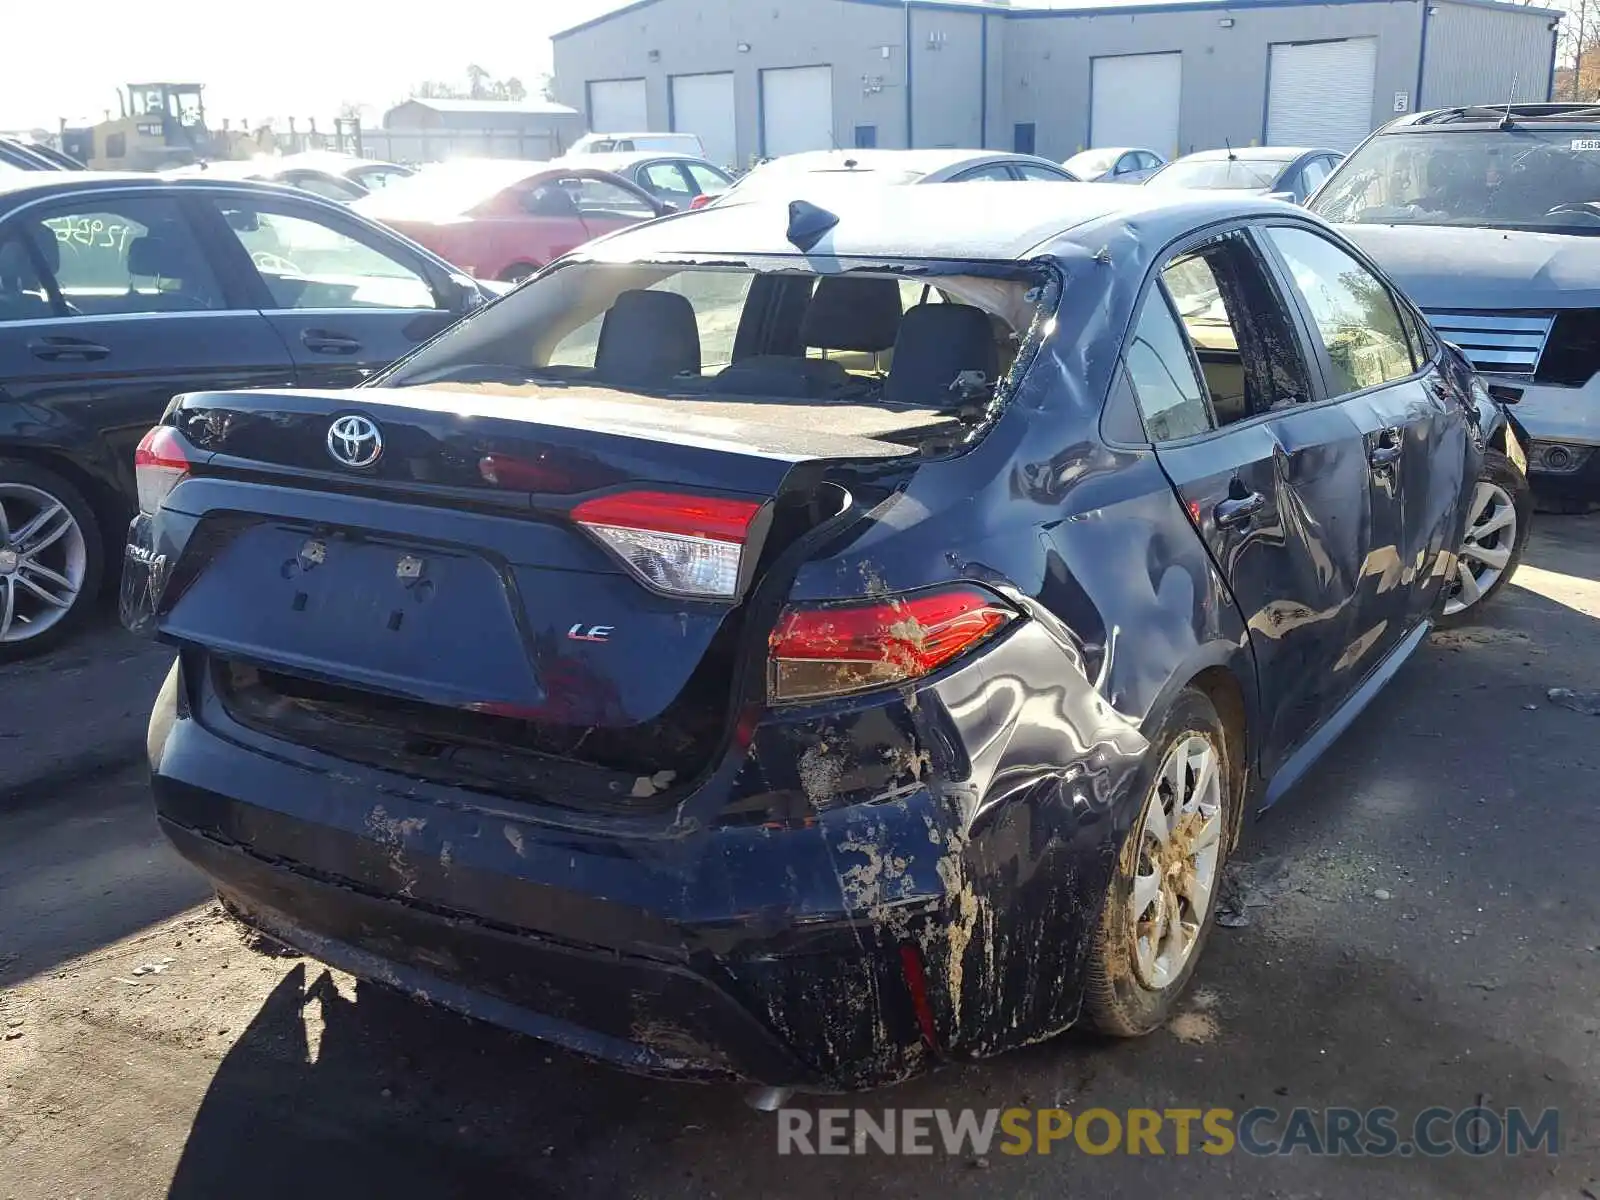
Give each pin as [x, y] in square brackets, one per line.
[703, 105]
[1134, 101]
[1321, 93]
[796, 110]
[618, 106]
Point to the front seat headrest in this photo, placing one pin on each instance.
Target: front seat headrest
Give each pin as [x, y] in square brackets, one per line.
[154, 256]
[936, 345]
[852, 313]
[648, 338]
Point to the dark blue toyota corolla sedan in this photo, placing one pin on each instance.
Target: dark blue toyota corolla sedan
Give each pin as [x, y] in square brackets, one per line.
[808, 642]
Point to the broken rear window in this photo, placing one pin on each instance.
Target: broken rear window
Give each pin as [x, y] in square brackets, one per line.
[926, 338]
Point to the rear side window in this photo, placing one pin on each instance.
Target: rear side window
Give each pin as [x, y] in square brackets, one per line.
[1171, 397]
[1238, 328]
[1356, 318]
[601, 200]
[137, 255]
[23, 296]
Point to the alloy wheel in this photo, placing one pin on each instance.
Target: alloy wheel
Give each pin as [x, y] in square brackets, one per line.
[1180, 844]
[43, 561]
[1486, 549]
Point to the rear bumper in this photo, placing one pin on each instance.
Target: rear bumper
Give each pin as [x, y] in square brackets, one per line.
[645, 1016]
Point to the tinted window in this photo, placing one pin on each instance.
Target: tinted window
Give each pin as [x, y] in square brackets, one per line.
[137, 255]
[307, 263]
[707, 181]
[597, 198]
[1033, 171]
[1128, 162]
[1314, 173]
[1355, 316]
[1148, 161]
[1171, 398]
[1239, 328]
[667, 182]
[23, 296]
[989, 171]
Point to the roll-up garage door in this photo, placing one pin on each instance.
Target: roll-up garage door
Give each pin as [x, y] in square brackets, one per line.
[1320, 93]
[618, 106]
[1134, 101]
[703, 105]
[796, 110]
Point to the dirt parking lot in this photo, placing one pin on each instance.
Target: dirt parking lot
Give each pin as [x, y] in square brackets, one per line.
[1417, 925]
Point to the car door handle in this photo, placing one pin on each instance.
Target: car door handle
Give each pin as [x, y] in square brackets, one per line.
[323, 341]
[1387, 452]
[67, 349]
[1237, 510]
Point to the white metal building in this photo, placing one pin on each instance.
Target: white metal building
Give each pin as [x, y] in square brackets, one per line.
[759, 79]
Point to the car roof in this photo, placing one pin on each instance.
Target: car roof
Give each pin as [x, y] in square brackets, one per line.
[611, 160]
[925, 162]
[34, 185]
[1255, 153]
[985, 221]
[1584, 113]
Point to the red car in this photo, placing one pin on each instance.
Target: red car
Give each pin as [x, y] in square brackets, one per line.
[504, 219]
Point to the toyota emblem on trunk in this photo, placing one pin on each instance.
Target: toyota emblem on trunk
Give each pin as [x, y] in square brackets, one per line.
[354, 441]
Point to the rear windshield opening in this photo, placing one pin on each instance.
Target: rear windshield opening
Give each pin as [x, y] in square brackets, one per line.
[898, 354]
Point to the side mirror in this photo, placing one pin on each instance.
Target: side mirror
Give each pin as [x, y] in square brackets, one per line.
[465, 295]
[1286, 197]
[667, 206]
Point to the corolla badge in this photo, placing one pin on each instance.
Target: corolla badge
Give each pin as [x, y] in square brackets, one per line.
[355, 441]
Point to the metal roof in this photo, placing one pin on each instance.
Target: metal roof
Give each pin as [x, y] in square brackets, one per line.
[985, 222]
[1094, 9]
[531, 107]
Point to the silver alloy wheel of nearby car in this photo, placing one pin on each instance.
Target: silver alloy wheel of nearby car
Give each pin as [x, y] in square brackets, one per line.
[1486, 549]
[43, 560]
[1180, 845]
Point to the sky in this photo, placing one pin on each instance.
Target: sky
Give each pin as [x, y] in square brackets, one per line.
[287, 57]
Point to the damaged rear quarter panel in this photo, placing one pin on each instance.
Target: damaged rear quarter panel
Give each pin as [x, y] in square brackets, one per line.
[1033, 750]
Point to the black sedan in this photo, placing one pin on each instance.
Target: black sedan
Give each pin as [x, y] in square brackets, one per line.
[630, 669]
[116, 292]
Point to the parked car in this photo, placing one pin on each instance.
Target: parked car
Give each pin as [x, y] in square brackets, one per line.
[504, 219]
[628, 143]
[370, 174]
[1285, 172]
[1115, 164]
[1488, 217]
[24, 157]
[117, 291]
[623, 669]
[317, 181]
[678, 180]
[880, 167]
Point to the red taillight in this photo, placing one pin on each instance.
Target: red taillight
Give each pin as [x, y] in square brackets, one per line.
[159, 465]
[686, 545]
[817, 652]
[699, 201]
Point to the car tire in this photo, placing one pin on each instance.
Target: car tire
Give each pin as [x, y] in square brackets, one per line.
[1509, 499]
[1137, 973]
[67, 547]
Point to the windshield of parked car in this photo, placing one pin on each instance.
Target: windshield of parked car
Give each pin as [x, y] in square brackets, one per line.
[679, 333]
[1521, 178]
[1092, 162]
[447, 189]
[1208, 173]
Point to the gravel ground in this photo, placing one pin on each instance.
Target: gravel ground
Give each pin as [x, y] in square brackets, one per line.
[1421, 927]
